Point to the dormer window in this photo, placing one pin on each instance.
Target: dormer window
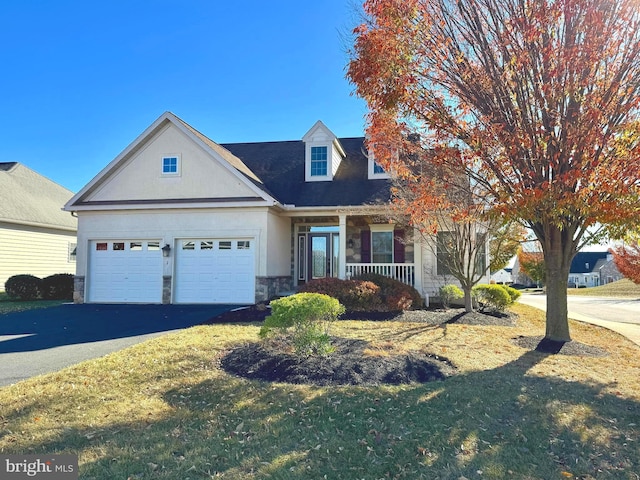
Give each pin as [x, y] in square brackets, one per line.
[375, 170]
[323, 154]
[171, 165]
[319, 161]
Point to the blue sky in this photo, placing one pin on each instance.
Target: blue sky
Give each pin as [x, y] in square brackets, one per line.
[81, 79]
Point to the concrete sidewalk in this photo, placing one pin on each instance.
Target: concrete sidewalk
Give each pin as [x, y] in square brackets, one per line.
[629, 330]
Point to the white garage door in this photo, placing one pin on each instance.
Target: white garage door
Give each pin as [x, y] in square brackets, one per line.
[125, 271]
[215, 271]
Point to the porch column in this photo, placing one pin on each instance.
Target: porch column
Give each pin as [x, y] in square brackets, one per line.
[342, 254]
[417, 262]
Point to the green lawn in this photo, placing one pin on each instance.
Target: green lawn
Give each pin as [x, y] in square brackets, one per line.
[165, 410]
[622, 288]
[8, 306]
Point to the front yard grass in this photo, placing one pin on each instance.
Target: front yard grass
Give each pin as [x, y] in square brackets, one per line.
[624, 288]
[165, 410]
[10, 306]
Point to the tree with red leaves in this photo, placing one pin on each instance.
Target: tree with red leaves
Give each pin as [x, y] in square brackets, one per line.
[627, 259]
[534, 104]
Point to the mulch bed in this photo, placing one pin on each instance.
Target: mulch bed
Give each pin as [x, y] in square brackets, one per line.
[433, 316]
[350, 365]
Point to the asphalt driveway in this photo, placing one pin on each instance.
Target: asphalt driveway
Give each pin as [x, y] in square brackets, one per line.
[41, 341]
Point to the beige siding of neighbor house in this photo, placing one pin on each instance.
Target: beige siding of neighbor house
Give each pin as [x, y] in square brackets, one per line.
[141, 177]
[35, 251]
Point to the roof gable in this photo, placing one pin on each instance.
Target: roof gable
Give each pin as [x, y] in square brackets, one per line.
[26, 197]
[207, 172]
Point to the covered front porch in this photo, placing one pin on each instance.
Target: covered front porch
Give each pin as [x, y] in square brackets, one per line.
[346, 246]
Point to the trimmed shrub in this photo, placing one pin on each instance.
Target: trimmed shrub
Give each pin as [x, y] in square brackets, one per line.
[304, 319]
[23, 287]
[493, 296]
[58, 287]
[395, 294]
[449, 293]
[355, 295]
[513, 293]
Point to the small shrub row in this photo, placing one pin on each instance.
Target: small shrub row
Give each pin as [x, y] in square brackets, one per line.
[496, 297]
[369, 292]
[30, 287]
[304, 320]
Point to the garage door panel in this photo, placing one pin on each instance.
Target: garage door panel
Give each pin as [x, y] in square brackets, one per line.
[123, 271]
[214, 271]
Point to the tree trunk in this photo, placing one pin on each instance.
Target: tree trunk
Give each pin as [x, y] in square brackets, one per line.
[557, 314]
[558, 254]
[468, 300]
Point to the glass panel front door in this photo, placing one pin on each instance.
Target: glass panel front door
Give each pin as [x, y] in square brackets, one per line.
[320, 266]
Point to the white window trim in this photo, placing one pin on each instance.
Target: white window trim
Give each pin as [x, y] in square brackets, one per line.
[178, 171]
[383, 228]
[372, 175]
[318, 178]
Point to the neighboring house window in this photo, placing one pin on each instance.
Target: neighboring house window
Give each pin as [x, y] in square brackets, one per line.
[319, 164]
[73, 247]
[171, 165]
[377, 169]
[444, 247]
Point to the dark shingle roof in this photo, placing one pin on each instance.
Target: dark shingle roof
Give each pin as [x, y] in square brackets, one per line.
[280, 166]
[585, 262]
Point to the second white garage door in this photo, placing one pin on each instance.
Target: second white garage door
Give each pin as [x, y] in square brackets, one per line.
[215, 271]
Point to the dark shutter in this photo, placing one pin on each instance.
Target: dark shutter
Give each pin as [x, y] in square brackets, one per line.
[365, 246]
[398, 246]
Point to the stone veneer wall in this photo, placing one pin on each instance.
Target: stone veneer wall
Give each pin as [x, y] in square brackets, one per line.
[166, 289]
[78, 289]
[270, 287]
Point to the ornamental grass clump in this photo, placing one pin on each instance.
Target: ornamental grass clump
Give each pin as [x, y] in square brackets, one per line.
[303, 321]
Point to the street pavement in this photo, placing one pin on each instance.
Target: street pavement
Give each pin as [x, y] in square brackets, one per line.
[621, 315]
[46, 340]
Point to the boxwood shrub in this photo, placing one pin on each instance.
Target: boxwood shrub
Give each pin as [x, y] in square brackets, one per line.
[304, 320]
[58, 287]
[492, 296]
[23, 287]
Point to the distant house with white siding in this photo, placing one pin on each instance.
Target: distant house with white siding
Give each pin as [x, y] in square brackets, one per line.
[36, 236]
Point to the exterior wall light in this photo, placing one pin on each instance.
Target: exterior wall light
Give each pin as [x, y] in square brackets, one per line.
[166, 250]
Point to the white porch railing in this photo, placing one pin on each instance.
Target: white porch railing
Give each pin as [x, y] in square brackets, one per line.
[404, 272]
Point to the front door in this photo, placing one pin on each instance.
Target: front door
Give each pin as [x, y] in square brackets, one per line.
[319, 259]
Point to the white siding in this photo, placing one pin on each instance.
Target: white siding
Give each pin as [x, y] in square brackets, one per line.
[35, 251]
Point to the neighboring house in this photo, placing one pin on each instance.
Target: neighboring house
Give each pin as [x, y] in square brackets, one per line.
[178, 218]
[36, 236]
[502, 276]
[591, 269]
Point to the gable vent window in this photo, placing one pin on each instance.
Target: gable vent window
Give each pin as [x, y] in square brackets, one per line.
[319, 161]
[171, 165]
